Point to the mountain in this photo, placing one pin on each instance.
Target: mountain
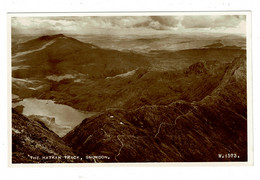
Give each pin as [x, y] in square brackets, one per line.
[181, 131]
[220, 45]
[142, 87]
[60, 55]
[155, 106]
[166, 42]
[196, 68]
[33, 142]
[69, 71]
[215, 45]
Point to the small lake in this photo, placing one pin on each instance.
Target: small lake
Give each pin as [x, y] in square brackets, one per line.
[66, 117]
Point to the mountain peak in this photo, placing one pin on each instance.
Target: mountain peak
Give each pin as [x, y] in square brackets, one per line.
[51, 37]
[215, 45]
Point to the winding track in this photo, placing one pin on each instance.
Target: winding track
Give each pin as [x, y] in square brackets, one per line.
[122, 145]
[180, 116]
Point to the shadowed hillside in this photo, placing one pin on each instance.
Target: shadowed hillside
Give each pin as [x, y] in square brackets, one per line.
[61, 55]
[180, 131]
[32, 139]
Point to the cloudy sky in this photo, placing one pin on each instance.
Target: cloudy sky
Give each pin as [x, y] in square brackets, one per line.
[235, 24]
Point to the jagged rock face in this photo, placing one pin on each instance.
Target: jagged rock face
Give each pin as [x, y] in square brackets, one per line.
[196, 68]
[32, 139]
[50, 123]
[19, 109]
[181, 131]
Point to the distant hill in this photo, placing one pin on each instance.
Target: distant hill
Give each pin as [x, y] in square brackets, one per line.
[59, 55]
[220, 45]
[215, 45]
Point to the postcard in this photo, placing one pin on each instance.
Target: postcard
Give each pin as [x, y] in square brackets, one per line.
[130, 88]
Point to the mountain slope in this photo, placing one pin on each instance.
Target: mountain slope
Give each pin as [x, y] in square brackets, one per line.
[143, 87]
[61, 55]
[33, 142]
[181, 131]
[68, 71]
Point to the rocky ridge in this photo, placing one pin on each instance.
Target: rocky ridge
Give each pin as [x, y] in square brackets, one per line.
[182, 131]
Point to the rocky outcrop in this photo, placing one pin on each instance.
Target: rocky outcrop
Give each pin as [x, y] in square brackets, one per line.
[203, 130]
[197, 68]
[33, 142]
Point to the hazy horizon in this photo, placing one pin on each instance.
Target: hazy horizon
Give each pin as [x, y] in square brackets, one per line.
[129, 25]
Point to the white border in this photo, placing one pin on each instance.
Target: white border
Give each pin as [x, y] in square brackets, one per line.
[129, 13]
[250, 144]
[156, 164]
[165, 173]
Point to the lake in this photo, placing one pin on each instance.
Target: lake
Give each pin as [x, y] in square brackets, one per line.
[66, 117]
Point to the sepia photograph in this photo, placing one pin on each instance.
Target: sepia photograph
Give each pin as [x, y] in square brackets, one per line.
[130, 88]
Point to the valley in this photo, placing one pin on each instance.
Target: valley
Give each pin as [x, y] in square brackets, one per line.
[135, 99]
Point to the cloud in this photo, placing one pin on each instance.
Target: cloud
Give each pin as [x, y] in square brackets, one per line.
[223, 21]
[86, 24]
[73, 24]
[39, 25]
[159, 22]
[168, 21]
[105, 24]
